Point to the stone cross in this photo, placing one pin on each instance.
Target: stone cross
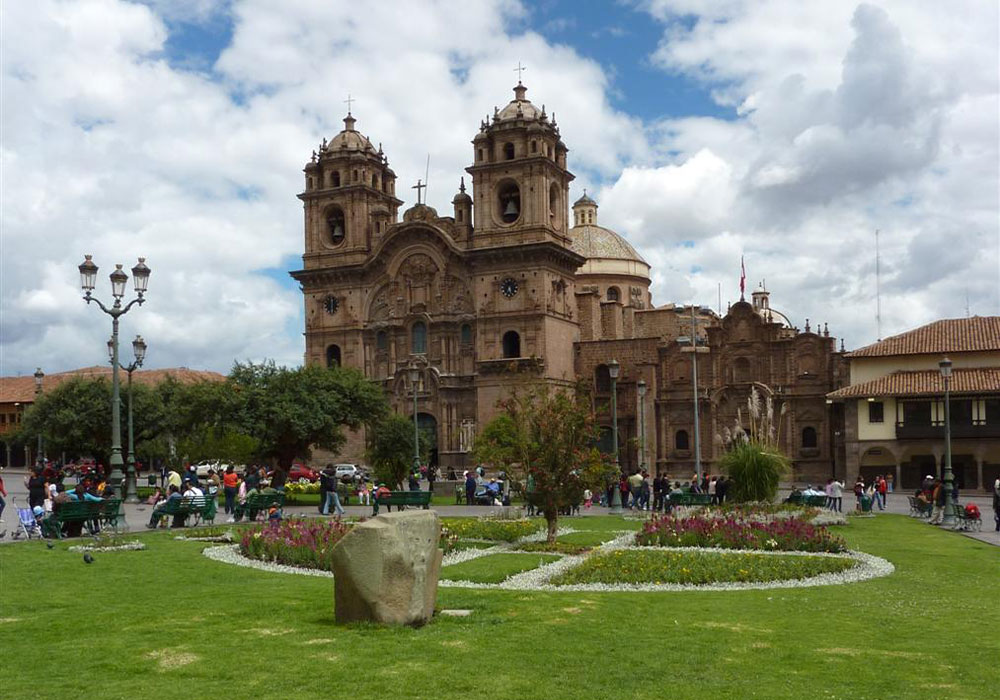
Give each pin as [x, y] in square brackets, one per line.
[520, 69]
[418, 187]
[349, 100]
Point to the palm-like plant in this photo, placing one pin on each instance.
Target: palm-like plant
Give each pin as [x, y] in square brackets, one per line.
[753, 461]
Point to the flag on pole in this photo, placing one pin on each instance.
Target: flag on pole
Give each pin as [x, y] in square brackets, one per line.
[743, 278]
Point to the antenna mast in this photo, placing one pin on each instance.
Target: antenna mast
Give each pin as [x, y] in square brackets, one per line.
[427, 172]
[878, 290]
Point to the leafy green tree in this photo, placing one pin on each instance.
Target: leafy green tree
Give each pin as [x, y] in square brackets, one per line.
[225, 444]
[753, 460]
[74, 417]
[390, 449]
[546, 438]
[291, 410]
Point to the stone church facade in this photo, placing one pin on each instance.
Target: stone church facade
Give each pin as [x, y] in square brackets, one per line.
[509, 289]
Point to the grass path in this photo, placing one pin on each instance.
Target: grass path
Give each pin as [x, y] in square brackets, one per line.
[168, 623]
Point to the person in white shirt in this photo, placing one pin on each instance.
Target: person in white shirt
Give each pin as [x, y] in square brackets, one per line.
[837, 491]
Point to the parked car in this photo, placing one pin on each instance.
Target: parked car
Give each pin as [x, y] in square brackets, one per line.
[201, 468]
[302, 474]
[346, 472]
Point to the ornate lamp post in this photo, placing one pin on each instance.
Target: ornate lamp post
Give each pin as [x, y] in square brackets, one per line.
[88, 276]
[949, 479]
[616, 497]
[641, 390]
[139, 350]
[39, 376]
[414, 372]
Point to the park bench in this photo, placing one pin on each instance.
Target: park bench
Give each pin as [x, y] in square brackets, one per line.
[257, 503]
[962, 519]
[401, 499]
[802, 500]
[690, 499]
[106, 513]
[918, 509]
[202, 507]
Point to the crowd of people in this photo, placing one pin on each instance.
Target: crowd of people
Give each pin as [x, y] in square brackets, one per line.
[47, 493]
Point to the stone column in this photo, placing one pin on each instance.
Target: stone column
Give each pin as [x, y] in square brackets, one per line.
[979, 473]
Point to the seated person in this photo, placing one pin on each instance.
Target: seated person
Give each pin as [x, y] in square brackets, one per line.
[174, 495]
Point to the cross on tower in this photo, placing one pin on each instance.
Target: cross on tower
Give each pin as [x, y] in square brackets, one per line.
[349, 100]
[418, 187]
[520, 69]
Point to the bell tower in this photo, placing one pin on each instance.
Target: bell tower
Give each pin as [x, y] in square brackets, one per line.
[519, 177]
[350, 199]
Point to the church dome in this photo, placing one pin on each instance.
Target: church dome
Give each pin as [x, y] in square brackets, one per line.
[349, 139]
[519, 108]
[607, 252]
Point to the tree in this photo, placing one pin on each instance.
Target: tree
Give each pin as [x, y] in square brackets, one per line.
[74, 417]
[390, 449]
[754, 461]
[547, 439]
[291, 410]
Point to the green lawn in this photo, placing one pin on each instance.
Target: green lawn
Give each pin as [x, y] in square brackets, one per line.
[168, 623]
[494, 568]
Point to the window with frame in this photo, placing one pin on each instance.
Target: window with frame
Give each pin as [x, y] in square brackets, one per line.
[876, 412]
[809, 437]
[681, 440]
[465, 334]
[381, 340]
[418, 338]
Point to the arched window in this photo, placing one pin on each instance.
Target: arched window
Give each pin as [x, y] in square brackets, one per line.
[553, 200]
[418, 338]
[354, 176]
[335, 225]
[809, 437]
[508, 151]
[508, 201]
[511, 344]
[374, 182]
[466, 334]
[681, 441]
[613, 294]
[534, 146]
[602, 379]
[335, 179]
[333, 356]
[480, 154]
[381, 340]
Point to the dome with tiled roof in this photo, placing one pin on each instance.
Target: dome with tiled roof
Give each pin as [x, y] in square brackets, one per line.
[607, 252]
[520, 108]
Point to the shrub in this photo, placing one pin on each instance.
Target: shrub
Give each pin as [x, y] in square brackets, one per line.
[304, 543]
[490, 529]
[783, 534]
[753, 461]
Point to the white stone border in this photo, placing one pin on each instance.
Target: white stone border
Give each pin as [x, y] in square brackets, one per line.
[133, 546]
[868, 567]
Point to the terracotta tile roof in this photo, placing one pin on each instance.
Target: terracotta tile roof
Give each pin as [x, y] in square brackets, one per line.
[926, 382]
[948, 336]
[22, 389]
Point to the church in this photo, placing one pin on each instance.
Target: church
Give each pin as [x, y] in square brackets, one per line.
[516, 287]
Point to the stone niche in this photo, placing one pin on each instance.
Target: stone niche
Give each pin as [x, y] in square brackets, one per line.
[386, 569]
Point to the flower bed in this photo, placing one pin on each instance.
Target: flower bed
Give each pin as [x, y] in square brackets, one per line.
[626, 566]
[783, 534]
[490, 529]
[301, 543]
[763, 511]
[557, 547]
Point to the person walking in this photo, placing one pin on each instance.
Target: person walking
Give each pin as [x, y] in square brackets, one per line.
[881, 488]
[837, 492]
[996, 504]
[3, 497]
[470, 488]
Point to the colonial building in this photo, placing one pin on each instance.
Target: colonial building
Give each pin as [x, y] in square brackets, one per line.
[507, 290]
[894, 404]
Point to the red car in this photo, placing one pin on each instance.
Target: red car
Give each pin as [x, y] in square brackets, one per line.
[301, 473]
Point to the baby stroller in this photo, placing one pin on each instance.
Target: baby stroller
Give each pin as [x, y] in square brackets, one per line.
[28, 527]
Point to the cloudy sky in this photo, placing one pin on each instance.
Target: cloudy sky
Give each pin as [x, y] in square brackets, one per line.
[780, 130]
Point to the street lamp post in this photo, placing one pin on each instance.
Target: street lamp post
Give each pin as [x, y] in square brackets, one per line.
[139, 350]
[641, 390]
[616, 497]
[694, 382]
[949, 478]
[88, 276]
[414, 380]
[39, 376]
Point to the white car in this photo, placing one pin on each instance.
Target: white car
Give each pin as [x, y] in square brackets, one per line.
[201, 468]
[345, 472]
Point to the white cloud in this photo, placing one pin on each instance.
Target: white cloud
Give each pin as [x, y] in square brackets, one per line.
[851, 118]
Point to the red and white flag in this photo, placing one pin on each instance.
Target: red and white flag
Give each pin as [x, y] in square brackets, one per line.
[743, 277]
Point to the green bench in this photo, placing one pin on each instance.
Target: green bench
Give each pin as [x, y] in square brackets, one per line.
[202, 507]
[690, 499]
[962, 519]
[918, 509]
[258, 503]
[107, 513]
[401, 499]
[801, 500]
